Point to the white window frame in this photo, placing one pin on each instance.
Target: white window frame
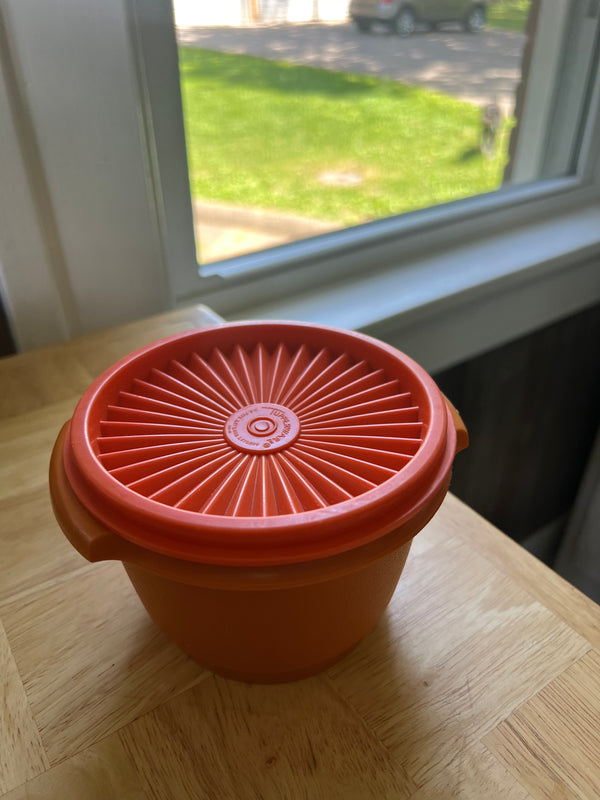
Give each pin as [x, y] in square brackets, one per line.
[443, 284]
[449, 282]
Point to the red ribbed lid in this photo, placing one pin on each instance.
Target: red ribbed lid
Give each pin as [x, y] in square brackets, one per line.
[259, 443]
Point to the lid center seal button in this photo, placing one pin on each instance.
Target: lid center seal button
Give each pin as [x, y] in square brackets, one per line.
[262, 428]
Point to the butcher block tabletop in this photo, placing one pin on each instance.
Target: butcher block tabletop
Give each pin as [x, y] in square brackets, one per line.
[482, 680]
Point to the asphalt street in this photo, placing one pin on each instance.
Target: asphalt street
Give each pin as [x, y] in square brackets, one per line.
[481, 68]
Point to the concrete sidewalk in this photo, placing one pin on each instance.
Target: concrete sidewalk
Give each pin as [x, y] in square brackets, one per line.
[224, 231]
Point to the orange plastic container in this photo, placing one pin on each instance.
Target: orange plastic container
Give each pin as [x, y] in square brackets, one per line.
[262, 483]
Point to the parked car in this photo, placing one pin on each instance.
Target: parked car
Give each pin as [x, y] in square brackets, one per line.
[403, 17]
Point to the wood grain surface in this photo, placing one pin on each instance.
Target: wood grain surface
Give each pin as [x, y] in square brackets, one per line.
[482, 680]
[552, 743]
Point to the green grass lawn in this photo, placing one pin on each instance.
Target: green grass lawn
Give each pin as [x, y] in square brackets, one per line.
[262, 133]
[510, 15]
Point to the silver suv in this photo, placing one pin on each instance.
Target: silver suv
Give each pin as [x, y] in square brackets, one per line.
[403, 17]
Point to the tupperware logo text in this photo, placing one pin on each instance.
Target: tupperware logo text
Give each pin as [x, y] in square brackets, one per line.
[283, 428]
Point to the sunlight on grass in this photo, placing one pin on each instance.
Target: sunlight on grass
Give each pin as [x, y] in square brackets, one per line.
[509, 14]
[262, 134]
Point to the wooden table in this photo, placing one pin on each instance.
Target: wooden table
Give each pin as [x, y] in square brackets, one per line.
[481, 681]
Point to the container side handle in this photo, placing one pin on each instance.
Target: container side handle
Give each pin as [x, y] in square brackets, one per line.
[87, 535]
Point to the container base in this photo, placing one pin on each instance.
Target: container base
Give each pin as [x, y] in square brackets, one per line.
[283, 677]
[276, 635]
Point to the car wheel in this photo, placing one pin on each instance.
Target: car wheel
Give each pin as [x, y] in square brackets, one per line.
[405, 22]
[475, 20]
[362, 25]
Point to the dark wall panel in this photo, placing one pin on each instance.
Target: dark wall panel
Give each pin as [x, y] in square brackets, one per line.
[7, 345]
[532, 408]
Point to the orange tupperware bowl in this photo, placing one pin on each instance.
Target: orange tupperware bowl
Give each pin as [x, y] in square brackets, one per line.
[261, 483]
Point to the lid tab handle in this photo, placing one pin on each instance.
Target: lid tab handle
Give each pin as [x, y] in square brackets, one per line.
[462, 435]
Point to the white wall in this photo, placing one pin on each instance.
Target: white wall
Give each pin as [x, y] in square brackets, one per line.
[225, 12]
[77, 214]
[237, 12]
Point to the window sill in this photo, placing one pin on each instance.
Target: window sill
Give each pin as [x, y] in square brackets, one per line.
[445, 308]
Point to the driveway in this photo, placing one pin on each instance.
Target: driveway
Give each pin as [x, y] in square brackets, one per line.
[481, 68]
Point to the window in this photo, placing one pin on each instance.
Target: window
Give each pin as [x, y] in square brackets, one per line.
[348, 276]
[97, 226]
[296, 129]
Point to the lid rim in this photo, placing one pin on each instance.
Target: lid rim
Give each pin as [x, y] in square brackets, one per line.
[323, 546]
[103, 495]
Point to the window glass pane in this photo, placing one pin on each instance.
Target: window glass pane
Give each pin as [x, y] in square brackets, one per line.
[305, 116]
